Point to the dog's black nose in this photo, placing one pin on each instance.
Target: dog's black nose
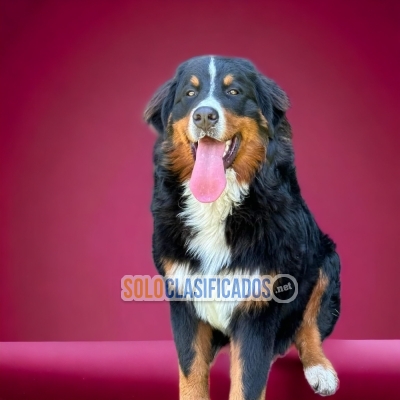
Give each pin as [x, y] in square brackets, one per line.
[205, 117]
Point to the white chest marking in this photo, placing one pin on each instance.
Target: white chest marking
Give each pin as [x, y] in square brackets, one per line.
[209, 244]
[208, 223]
[215, 312]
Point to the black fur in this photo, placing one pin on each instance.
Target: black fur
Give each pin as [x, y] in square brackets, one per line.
[272, 230]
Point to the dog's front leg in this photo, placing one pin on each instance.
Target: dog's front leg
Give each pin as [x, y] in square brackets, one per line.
[193, 339]
[251, 350]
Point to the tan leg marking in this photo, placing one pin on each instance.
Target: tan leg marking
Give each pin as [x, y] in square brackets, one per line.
[194, 386]
[236, 391]
[319, 371]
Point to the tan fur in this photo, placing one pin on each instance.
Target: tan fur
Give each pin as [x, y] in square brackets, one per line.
[167, 266]
[236, 373]
[251, 154]
[194, 80]
[258, 303]
[179, 154]
[263, 120]
[308, 338]
[236, 390]
[195, 384]
[228, 79]
[252, 150]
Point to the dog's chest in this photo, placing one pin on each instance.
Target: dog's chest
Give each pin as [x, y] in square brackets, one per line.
[208, 244]
[217, 312]
[207, 222]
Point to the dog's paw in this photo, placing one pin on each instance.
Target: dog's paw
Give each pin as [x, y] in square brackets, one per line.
[323, 380]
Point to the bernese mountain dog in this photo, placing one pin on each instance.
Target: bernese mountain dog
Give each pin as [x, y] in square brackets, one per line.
[227, 202]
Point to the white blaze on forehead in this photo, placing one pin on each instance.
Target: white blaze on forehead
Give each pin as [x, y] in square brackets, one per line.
[209, 101]
[213, 71]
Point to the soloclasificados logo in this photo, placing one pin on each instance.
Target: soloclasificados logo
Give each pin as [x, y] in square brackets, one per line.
[282, 288]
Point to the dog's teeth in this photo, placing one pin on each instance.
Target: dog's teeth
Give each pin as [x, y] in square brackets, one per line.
[224, 154]
[228, 143]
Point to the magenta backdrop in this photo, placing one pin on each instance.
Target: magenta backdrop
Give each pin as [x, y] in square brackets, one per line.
[76, 173]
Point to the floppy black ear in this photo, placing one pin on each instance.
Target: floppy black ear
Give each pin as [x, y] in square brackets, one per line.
[160, 106]
[273, 102]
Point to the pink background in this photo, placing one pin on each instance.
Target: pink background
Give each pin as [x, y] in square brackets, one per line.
[75, 162]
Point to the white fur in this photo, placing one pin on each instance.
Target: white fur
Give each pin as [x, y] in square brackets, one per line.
[180, 272]
[216, 312]
[208, 244]
[324, 381]
[208, 223]
[219, 128]
[213, 71]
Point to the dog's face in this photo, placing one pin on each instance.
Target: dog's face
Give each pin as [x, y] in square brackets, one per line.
[216, 113]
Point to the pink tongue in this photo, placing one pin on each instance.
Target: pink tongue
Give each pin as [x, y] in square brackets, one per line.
[208, 177]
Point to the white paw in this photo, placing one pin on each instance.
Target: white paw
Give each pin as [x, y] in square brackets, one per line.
[324, 381]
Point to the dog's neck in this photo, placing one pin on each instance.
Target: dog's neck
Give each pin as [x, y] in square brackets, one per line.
[207, 220]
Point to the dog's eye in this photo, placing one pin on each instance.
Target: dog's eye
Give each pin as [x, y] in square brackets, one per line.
[233, 92]
[190, 93]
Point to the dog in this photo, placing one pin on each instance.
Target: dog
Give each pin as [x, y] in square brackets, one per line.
[226, 202]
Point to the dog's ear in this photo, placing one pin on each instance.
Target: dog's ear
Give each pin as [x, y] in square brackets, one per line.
[160, 106]
[273, 102]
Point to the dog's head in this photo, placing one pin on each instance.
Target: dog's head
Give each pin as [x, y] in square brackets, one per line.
[216, 113]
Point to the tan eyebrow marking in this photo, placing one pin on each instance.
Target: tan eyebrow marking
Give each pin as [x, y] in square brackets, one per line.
[195, 80]
[228, 79]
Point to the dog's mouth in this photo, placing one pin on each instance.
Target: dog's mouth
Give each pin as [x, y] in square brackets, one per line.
[212, 158]
[230, 152]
